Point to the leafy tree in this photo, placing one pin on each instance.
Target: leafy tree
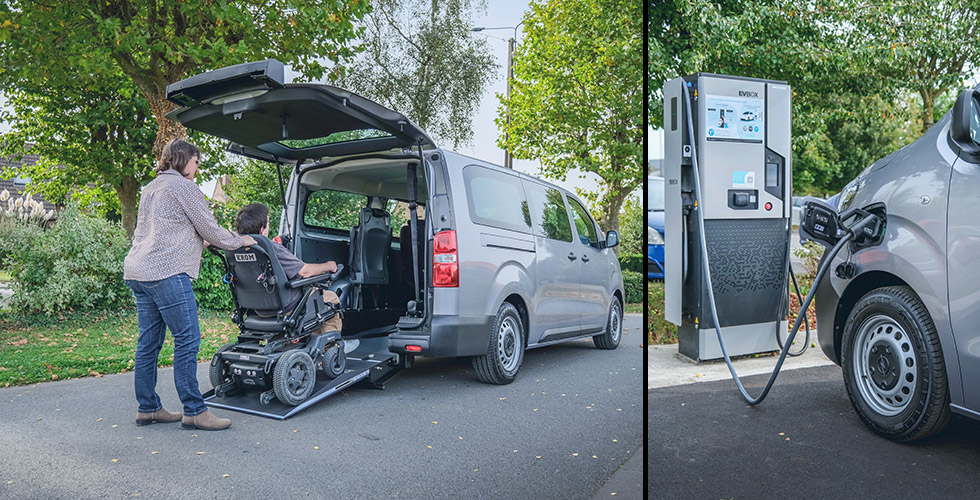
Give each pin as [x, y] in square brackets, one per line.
[421, 59]
[632, 222]
[93, 143]
[923, 47]
[160, 42]
[86, 100]
[576, 96]
[845, 114]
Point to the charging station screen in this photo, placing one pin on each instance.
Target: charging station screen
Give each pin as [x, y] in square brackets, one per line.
[734, 119]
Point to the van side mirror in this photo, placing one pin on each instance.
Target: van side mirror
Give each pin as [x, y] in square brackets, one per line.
[612, 239]
[966, 112]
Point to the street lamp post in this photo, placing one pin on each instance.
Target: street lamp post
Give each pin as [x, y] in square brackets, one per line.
[511, 45]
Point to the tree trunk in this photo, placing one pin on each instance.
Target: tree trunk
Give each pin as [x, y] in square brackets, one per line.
[928, 109]
[609, 219]
[128, 191]
[167, 129]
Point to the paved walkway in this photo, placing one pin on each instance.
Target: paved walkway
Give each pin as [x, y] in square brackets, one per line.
[667, 368]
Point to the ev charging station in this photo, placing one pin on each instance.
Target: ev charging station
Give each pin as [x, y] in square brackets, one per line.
[742, 152]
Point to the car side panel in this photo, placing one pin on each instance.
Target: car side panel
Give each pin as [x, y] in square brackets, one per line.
[914, 187]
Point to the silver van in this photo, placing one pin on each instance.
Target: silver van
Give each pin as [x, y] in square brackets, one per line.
[901, 318]
[504, 262]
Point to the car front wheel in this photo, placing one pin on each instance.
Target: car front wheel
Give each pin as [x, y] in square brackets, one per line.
[614, 328]
[893, 365]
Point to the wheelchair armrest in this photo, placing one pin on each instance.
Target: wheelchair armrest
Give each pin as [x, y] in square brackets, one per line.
[299, 283]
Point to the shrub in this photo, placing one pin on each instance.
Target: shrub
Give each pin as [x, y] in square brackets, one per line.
[210, 289]
[633, 283]
[632, 262]
[76, 264]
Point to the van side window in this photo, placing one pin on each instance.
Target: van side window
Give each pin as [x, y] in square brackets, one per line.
[548, 212]
[327, 209]
[583, 223]
[496, 199]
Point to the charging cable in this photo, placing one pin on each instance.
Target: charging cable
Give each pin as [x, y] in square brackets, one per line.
[828, 259]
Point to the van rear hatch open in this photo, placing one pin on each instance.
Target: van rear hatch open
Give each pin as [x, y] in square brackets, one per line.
[251, 105]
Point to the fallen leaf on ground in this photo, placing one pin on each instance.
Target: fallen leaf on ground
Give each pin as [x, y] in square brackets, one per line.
[226, 475]
[115, 459]
[200, 453]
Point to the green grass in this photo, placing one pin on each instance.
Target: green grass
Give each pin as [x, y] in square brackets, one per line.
[44, 348]
[5, 276]
[635, 308]
[659, 331]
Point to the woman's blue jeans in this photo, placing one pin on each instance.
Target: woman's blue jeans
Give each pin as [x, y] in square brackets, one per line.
[161, 304]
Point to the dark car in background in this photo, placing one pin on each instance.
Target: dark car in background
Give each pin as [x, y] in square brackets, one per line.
[655, 227]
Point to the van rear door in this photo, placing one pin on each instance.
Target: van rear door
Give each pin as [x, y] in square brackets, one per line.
[251, 105]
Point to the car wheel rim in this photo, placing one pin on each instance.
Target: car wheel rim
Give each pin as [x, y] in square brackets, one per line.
[509, 344]
[885, 367]
[615, 324]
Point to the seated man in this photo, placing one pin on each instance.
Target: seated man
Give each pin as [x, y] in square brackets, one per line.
[254, 219]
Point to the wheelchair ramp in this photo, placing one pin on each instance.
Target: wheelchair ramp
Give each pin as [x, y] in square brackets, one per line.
[364, 364]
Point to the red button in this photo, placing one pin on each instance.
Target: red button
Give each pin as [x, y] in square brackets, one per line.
[768, 206]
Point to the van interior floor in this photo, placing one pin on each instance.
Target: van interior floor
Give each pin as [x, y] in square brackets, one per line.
[370, 364]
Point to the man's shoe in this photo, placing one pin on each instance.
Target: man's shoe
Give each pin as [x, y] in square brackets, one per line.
[206, 421]
[160, 416]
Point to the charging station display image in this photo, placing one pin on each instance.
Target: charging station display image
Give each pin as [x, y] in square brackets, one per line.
[734, 119]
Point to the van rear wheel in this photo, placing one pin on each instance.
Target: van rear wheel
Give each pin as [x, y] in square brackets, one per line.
[614, 328]
[505, 353]
[893, 365]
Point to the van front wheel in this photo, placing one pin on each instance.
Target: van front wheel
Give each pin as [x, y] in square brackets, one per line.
[505, 353]
[614, 328]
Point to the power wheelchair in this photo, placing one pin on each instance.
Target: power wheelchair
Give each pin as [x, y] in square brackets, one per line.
[276, 354]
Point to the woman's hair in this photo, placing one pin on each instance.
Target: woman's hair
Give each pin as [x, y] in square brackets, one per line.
[252, 218]
[176, 154]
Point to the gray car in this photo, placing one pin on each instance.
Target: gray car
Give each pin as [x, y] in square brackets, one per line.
[504, 262]
[904, 328]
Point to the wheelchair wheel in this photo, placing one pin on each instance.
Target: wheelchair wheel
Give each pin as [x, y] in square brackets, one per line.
[294, 377]
[334, 360]
[216, 372]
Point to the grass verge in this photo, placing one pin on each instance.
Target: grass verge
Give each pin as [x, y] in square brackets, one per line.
[635, 308]
[44, 348]
[659, 330]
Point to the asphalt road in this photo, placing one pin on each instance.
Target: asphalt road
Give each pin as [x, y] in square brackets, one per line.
[804, 441]
[572, 418]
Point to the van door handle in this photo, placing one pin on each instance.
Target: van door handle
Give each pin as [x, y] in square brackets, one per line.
[585, 258]
[571, 256]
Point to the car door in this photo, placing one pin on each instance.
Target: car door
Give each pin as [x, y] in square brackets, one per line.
[556, 264]
[962, 271]
[593, 265]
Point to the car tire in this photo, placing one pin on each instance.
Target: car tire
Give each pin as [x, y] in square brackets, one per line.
[893, 365]
[294, 377]
[614, 328]
[505, 352]
[216, 372]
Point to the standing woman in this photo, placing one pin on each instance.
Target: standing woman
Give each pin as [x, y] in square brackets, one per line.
[172, 226]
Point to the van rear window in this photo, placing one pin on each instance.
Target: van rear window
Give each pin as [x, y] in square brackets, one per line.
[496, 199]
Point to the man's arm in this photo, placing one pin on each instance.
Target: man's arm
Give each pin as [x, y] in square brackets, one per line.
[317, 269]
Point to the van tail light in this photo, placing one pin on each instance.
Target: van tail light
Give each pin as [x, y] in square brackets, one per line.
[445, 261]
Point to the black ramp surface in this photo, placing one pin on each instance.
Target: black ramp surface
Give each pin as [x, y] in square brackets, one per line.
[803, 441]
[248, 400]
